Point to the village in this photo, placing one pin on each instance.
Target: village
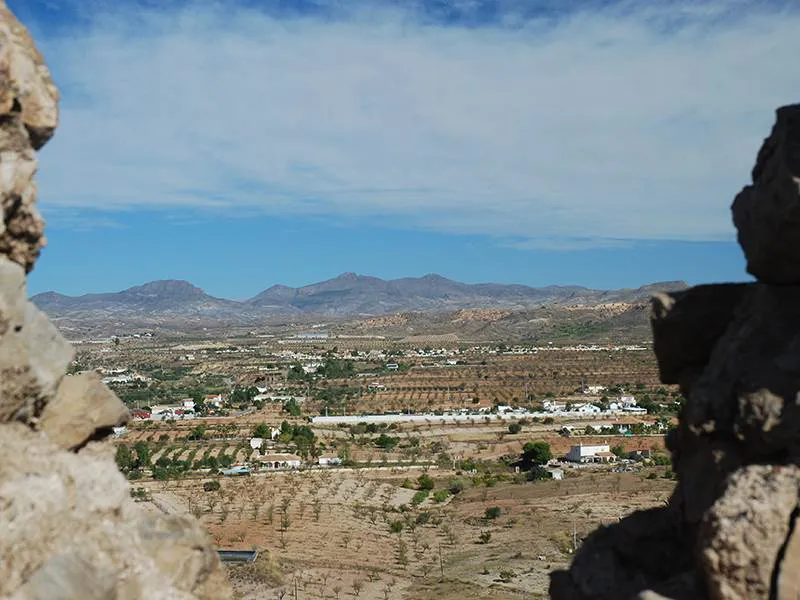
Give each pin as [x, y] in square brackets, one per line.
[269, 443]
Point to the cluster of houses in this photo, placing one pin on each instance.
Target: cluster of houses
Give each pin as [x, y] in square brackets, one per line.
[277, 462]
[624, 403]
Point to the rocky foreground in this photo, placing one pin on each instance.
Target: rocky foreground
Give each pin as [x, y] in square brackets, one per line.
[728, 531]
[68, 527]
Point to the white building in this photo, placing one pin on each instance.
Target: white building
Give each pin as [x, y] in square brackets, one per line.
[589, 454]
[555, 472]
[329, 461]
[188, 403]
[586, 409]
[279, 461]
[256, 442]
[215, 400]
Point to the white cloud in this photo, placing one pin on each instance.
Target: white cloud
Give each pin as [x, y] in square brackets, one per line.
[607, 125]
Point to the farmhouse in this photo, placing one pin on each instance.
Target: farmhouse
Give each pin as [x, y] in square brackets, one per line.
[279, 461]
[590, 454]
[586, 409]
[215, 400]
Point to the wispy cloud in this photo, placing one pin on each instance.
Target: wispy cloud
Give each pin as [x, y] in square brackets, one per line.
[511, 119]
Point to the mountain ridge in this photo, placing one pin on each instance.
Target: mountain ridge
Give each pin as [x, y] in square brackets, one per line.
[348, 294]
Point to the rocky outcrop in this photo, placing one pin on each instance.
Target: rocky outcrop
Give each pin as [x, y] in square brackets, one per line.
[68, 526]
[729, 531]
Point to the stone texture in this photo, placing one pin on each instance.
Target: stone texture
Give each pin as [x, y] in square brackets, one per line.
[28, 117]
[767, 213]
[745, 530]
[33, 355]
[61, 503]
[735, 351]
[82, 409]
[68, 526]
[677, 317]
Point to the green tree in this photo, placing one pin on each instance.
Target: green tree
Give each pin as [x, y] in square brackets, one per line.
[292, 407]
[514, 428]
[425, 482]
[492, 512]
[142, 451]
[535, 453]
[124, 458]
[262, 430]
[198, 433]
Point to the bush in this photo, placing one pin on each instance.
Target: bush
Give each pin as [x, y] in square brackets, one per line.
[440, 496]
[484, 537]
[425, 482]
[493, 512]
[514, 428]
[396, 526]
[457, 486]
[423, 518]
[211, 486]
[407, 484]
[419, 497]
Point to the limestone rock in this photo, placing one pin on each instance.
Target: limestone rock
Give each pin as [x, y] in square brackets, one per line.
[746, 529]
[735, 351]
[28, 117]
[33, 355]
[68, 526]
[82, 409]
[67, 577]
[59, 503]
[767, 213]
[687, 324]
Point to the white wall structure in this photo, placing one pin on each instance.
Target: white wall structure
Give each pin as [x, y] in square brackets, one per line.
[582, 454]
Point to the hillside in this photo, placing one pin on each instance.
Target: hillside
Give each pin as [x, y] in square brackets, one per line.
[432, 304]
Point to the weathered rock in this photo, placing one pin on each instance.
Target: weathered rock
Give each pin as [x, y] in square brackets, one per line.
[67, 577]
[60, 503]
[68, 526]
[687, 324]
[82, 409]
[746, 529]
[28, 117]
[735, 351]
[33, 355]
[767, 213]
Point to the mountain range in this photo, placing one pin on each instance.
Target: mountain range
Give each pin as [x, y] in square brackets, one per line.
[348, 295]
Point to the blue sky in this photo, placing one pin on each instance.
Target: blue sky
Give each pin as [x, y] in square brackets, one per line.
[239, 143]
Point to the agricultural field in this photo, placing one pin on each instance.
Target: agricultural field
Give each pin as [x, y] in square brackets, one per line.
[371, 534]
[415, 510]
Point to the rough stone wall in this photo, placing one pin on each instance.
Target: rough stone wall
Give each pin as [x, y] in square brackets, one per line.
[729, 530]
[68, 527]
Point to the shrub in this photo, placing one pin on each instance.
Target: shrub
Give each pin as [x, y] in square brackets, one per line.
[423, 518]
[457, 486]
[493, 512]
[484, 537]
[419, 497]
[211, 486]
[396, 526]
[514, 428]
[425, 482]
[440, 496]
